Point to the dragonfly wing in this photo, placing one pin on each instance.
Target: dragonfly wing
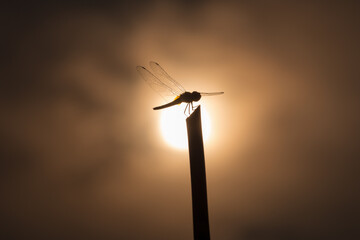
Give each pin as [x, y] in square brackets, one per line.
[166, 79]
[211, 94]
[162, 89]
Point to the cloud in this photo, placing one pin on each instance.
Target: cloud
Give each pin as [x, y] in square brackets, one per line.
[77, 153]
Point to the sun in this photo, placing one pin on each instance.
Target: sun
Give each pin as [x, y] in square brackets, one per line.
[173, 126]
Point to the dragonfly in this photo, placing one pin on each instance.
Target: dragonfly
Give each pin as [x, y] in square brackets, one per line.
[164, 85]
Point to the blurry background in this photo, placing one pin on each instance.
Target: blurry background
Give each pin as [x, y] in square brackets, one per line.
[81, 154]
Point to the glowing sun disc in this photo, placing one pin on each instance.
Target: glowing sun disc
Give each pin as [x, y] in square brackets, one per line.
[173, 126]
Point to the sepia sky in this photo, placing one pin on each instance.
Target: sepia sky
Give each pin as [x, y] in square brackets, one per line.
[82, 156]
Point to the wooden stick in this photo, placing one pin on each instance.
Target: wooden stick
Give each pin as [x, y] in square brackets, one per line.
[198, 177]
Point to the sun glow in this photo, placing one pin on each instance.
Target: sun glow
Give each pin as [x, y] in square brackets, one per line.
[173, 126]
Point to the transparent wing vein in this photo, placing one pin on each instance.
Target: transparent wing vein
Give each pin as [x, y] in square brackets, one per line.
[211, 93]
[161, 74]
[157, 85]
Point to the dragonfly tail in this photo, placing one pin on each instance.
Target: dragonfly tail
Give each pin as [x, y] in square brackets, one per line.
[176, 101]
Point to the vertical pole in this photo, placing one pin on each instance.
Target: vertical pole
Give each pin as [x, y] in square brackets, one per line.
[198, 177]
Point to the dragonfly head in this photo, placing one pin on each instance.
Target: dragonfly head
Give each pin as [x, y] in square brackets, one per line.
[195, 96]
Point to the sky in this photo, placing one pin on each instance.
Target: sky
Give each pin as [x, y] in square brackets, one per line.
[82, 156]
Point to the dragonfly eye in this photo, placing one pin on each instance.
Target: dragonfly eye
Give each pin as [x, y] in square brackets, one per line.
[196, 96]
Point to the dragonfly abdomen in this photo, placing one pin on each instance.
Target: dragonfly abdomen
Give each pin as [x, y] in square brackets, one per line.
[176, 101]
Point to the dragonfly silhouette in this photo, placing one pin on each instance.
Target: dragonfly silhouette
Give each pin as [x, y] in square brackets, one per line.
[165, 85]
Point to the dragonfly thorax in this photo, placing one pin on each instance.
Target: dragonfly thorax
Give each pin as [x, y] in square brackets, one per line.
[190, 97]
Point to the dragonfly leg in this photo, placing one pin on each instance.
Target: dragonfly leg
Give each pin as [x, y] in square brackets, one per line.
[193, 107]
[186, 108]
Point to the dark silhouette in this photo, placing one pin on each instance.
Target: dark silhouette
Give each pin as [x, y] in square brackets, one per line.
[162, 83]
[187, 97]
[165, 85]
[198, 177]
